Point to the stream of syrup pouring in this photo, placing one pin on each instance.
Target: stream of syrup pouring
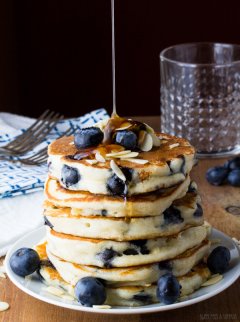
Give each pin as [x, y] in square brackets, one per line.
[115, 121]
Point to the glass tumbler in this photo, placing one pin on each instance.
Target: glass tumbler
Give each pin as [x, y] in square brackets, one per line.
[200, 96]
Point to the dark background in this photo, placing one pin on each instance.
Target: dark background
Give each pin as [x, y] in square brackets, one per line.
[57, 53]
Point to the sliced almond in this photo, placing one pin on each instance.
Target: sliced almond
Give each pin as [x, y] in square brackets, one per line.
[236, 241]
[164, 141]
[71, 143]
[2, 269]
[67, 297]
[141, 137]
[139, 161]
[117, 170]
[99, 157]
[3, 306]
[117, 154]
[156, 141]
[124, 126]
[214, 275]
[54, 290]
[2, 275]
[147, 143]
[129, 155]
[91, 161]
[149, 128]
[101, 306]
[213, 280]
[208, 227]
[172, 146]
[183, 298]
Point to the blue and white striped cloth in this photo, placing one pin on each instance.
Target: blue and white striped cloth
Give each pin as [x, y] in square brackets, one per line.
[16, 178]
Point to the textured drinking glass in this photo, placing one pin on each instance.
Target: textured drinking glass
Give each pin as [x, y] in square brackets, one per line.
[200, 96]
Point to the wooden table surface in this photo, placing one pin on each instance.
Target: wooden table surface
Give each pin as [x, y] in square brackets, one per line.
[222, 307]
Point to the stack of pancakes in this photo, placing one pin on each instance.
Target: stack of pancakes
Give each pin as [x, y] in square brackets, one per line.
[128, 241]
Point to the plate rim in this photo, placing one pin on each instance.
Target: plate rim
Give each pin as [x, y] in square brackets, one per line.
[130, 310]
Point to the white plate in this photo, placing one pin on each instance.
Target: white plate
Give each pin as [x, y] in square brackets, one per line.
[35, 287]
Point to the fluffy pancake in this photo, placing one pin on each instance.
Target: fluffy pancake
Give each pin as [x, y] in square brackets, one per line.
[133, 295]
[109, 253]
[183, 212]
[167, 166]
[85, 203]
[136, 275]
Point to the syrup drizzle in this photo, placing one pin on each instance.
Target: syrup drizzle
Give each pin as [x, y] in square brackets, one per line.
[114, 112]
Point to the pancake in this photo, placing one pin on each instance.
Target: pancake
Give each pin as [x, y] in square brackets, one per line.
[183, 212]
[132, 295]
[166, 166]
[109, 253]
[136, 275]
[85, 203]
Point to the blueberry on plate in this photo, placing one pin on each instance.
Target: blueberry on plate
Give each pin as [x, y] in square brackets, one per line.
[24, 261]
[116, 186]
[128, 139]
[88, 137]
[233, 164]
[217, 175]
[90, 291]
[69, 176]
[168, 288]
[218, 260]
[234, 178]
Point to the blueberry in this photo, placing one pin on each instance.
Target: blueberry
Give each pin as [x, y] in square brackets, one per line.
[69, 176]
[128, 173]
[88, 137]
[127, 139]
[104, 212]
[192, 187]
[130, 251]
[218, 260]
[168, 289]
[199, 211]
[90, 291]
[172, 215]
[24, 261]
[234, 178]
[216, 175]
[165, 265]
[144, 250]
[233, 164]
[107, 256]
[141, 244]
[116, 186]
[143, 298]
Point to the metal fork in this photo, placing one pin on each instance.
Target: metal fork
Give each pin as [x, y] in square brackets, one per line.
[41, 156]
[26, 141]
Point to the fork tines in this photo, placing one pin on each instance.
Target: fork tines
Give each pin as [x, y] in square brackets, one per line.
[35, 134]
[41, 156]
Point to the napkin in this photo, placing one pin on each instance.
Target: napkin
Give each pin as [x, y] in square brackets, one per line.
[16, 178]
[21, 186]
